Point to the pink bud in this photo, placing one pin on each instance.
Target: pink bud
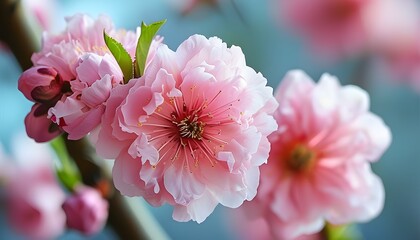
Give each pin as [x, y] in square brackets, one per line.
[38, 126]
[40, 84]
[86, 210]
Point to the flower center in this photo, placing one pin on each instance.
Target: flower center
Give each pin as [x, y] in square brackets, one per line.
[301, 158]
[190, 127]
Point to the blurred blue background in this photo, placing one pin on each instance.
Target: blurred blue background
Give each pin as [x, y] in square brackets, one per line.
[272, 50]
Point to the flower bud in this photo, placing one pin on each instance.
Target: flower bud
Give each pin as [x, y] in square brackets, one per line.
[86, 210]
[40, 84]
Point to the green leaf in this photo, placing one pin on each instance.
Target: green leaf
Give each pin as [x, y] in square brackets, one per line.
[341, 232]
[148, 32]
[67, 172]
[121, 55]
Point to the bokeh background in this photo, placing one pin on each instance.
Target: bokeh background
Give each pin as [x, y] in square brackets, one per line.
[273, 49]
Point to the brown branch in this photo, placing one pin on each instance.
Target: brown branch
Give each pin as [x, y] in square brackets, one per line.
[18, 32]
[23, 40]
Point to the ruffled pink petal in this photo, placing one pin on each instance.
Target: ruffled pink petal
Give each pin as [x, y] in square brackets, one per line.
[87, 71]
[109, 144]
[109, 66]
[77, 122]
[142, 148]
[198, 210]
[125, 175]
[98, 92]
[229, 189]
[379, 135]
[182, 185]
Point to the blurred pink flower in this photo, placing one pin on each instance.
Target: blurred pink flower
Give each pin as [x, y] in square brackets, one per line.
[392, 25]
[44, 86]
[334, 28]
[86, 210]
[192, 131]
[319, 165]
[33, 196]
[394, 36]
[246, 228]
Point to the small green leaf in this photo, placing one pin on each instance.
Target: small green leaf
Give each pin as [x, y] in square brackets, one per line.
[121, 55]
[67, 171]
[148, 32]
[341, 232]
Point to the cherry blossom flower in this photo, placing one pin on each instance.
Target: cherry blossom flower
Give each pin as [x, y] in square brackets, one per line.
[97, 75]
[333, 28]
[319, 164]
[81, 112]
[86, 210]
[192, 131]
[33, 196]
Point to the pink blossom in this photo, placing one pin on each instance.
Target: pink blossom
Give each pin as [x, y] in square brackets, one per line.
[44, 86]
[82, 35]
[333, 28]
[86, 210]
[319, 164]
[33, 196]
[192, 131]
[77, 61]
[80, 56]
[97, 75]
[81, 112]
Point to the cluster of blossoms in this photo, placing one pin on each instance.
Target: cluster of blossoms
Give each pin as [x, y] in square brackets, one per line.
[195, 127]
[72, 78]
[191, 131]
[36, 205]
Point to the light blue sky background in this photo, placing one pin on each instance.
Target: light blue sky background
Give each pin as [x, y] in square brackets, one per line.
[273, 50]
